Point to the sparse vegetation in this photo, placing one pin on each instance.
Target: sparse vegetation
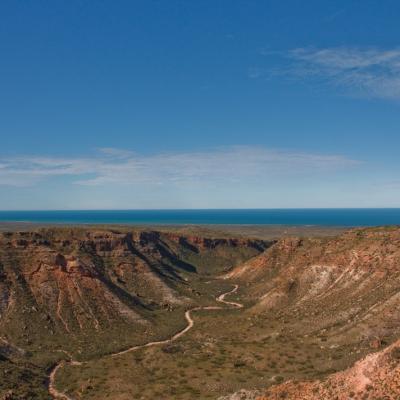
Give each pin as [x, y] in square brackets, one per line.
[312, 332]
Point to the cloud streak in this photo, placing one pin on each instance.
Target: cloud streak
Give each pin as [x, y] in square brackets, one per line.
[371, 72]
[367, 72]
[120, 167]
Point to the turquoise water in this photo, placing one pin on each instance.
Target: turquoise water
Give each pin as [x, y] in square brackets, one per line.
[322, 217]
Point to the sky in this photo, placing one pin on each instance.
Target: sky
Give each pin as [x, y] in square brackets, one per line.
[199, 104]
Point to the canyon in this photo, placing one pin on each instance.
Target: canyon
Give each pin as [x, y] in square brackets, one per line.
[120, 313]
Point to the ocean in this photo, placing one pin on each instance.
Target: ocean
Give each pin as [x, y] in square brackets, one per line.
[318, 217]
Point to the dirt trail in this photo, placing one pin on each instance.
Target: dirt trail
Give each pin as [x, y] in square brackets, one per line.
[230, 303]
[56, 394]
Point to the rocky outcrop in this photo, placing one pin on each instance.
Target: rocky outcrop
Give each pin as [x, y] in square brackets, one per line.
[377, 376]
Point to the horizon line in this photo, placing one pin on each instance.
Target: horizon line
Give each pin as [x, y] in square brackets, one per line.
[198, 209]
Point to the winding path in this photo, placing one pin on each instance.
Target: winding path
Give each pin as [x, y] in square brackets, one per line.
[56, 394]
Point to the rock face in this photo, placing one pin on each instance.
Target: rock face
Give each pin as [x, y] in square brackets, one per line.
[352, 280]
[81, 280]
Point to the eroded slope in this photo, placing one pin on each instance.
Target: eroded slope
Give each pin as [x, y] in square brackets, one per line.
[91, 292]
[342, 295]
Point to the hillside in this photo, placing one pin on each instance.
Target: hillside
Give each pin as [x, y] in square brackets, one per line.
[144, 314]
[343, 295]
[348, 286]
[92, 292]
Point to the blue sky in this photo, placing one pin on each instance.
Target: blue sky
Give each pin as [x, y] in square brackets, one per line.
[199, 104]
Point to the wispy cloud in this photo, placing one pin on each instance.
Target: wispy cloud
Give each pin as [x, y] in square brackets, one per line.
[371, 72]
[115, 166]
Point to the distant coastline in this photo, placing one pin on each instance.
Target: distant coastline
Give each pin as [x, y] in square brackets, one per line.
[290, 217]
